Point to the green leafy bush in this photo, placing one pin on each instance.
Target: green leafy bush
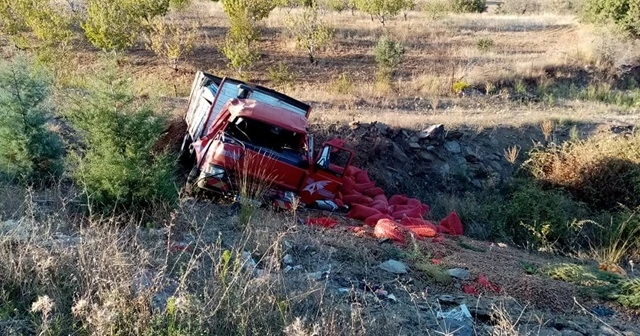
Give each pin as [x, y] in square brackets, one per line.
[485, 44]
[623, 13]
[309, 31]
[543, 218]
[119, 166]
[389, 54]
[255, 10]
[28, 150]
[382, 9]
[281, 76]
[469, 6]
[116, 24]
[49, 23]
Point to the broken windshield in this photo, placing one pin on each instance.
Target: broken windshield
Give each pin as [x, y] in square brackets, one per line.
[264, 135]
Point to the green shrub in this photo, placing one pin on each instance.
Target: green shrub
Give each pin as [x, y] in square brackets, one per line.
[623, 13]
[29, 149]
[335, 5]
[49, 23]
[119, 166]
[436, 9]
[116, 24]
[309, 31]
[543, 218]
[343, 84]
[469, 6]
[485, 44]
[255, 10]
[281, 76]
[458, 86]
[382, 9]
[389, 54]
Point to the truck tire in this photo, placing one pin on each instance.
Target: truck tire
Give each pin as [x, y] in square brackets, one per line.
[191, 187]
[186, 157]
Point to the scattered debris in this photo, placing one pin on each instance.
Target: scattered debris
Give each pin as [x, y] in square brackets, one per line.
[394, 266]
[459, 273]
[458, 313]
[287, 259]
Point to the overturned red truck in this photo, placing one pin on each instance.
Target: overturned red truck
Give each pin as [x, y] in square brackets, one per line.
[238, 131]
[239, 134]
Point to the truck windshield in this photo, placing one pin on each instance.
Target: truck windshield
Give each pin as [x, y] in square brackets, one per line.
[264, 135]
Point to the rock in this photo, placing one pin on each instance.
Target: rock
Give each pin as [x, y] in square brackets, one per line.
[607, 331]
[425, 156]
[471, 158]
[434, 132]
[445, 169]
[569, 332]
[394, 266]
[288, 259]
[318, 275]
[382, 128]
[565, 325]
[431, 148]
[354, 125]
[447, 299]
[454, 135]
[453, 147]
[459, 273]
[414, 145]
[496, 166]
[602, 311]
[548, 331]
[398, 153]
[392, 298]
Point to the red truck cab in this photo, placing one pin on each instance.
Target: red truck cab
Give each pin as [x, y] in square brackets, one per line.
[240, 135]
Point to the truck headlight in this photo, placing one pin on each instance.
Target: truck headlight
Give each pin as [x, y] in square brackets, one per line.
[213, 171]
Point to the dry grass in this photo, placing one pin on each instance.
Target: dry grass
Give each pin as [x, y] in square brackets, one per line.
[111, 277]
[602, 171]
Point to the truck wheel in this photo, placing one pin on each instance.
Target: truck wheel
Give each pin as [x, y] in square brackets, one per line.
[186, 157]
[191, 188]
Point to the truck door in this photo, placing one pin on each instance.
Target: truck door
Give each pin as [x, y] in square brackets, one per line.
[325, 178]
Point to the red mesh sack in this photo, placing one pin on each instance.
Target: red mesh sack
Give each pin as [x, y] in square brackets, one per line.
[356, 199]
[339, 202]
[361, 187]
[398, 200]
[417, 222]
[359, 211]
[414, 202]
[386, 228]
[373, 220]
[381, 206]
[322, 221]
[425, 209]
[411, 213]
[403, 207]
[373, 192]
[453, 224]
[362, 177]
[380, 197]
[348, 185]
[352, 171]
[420, 227]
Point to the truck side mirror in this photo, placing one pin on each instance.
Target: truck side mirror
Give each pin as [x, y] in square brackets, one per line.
[244, 91]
